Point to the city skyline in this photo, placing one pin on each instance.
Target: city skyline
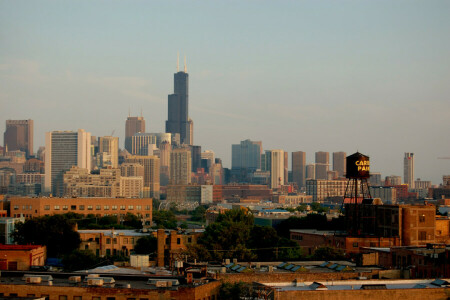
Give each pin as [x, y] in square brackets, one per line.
[309, 77]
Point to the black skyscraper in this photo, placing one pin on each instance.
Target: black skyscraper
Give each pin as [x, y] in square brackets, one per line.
[178, 114]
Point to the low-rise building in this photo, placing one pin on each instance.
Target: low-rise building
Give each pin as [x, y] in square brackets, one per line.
[321, 189]
[21, 257]
[41, 206]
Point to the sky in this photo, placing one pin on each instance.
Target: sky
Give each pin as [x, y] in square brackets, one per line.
[367, 76]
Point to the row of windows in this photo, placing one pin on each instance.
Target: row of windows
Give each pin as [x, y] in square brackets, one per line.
[91, 207]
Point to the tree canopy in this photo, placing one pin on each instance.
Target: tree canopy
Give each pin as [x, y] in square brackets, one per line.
[164, 219]
[56, 232]
[146, 245]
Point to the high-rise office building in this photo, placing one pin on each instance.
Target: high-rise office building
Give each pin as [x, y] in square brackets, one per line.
[164, 156]
[140, 143]
[19, 136]
[299, 168]
[109, 145]
[133, 125]
[310, 171]
[196, 157]
[180, 166]
[246, 155]
[151, 173]
[178, 120]
[408, 169]
[274, 161]
[64, 149]
[339, 163]
[322, 164]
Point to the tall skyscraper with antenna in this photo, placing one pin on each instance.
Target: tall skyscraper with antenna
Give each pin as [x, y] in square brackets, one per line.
[178, 120]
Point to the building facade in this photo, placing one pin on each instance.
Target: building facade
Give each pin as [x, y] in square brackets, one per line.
[340, 163]
[299, 168]
[180, 166]
[133, 125]
[19, 136]
[408, 169]
[110, 146]
[151, 173]
[63, 150]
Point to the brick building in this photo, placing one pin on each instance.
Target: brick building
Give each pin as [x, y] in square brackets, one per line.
[21, 257]
[247, 191]
[41, 206]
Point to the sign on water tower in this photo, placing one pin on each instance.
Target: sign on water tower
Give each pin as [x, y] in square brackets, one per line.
[358, 166]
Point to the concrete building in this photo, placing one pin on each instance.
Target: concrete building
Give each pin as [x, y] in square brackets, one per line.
[183, 193]
[132, 170]
[180, 166]
[164, 156]
[392, 180]
[246, 155]
[339, 163]
[196, 157]
[274, 161]
[408, 169]
[45, 206]
[299, 168]
[322, 164]
[178, 120]
[63, 150]
[109, 145]
[7, 228]
[387, 194]
[143, 143]
[151, 173]
[80, 182]
[310, 172]
[133, 125]
[375, 179]
[320, 189]
[19, 136]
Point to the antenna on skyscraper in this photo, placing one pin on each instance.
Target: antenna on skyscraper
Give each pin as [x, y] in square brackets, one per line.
[178, 61]
[185, 66]
[129, 111]
[141, 112]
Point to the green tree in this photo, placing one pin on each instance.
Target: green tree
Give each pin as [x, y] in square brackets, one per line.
[199, 214]
[80, 260]
[132, 221]
[327, 253]
[56, 232]
[315, 206]
[164, 219]
[301, 207]
[146, 245]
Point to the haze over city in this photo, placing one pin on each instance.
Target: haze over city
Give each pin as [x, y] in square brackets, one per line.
[308, 75]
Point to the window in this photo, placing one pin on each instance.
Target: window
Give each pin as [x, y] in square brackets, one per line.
[114, 207]
[56, 207]
[62, 297]
[98, 207]
[138, 207]
[89, 207]
[125, 240]
[97, 298]
[130, 207]
[147, 207]
[46, 207]
[77, 298]
[115, 241]
[132, 241]
[24, 207]
[178, 241]
[65, 207]
[108, 241]
[422, 218]
[106, 207]
[81, 207]
[189, 240]
[422, 235]
[147, 215]
[73, 207]
[122, 207]
[355, 245]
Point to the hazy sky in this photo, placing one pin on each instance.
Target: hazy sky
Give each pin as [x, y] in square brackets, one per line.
[372, 76]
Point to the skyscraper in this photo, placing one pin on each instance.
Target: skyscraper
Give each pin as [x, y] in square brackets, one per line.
[110, 145]
[178, 120]
[64, 149]
[274, 161]
[322, 164]
[19, 136]
[133, 125]
[151, 173]
[246, 155]
[299, 168]
[408, 169]
[339, 163]
[180, 166]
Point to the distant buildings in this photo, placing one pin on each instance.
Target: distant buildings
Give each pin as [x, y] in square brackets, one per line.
[180, 166]
[321, 189]
[133, 125]
[299, 168]
[151, 173]
[322, 164]
[246, 155]
[19, 136]
[64, 149]
[108, 151]
[274, 161]
[408, 169]
[339, 163]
